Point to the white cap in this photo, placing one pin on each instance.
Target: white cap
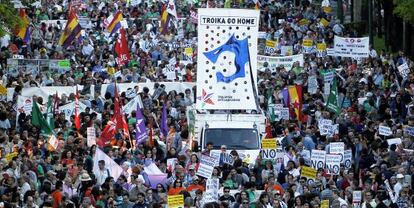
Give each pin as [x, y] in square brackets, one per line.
[400, 176]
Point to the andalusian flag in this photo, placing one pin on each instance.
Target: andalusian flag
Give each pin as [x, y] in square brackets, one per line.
[295, 94]
[332, 103]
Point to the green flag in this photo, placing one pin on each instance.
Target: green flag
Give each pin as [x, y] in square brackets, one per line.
[39, 121]
[332, 103]
[270, 108]
[50, 118]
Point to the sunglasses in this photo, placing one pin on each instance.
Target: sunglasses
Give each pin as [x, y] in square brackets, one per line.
[226, 191]
[245, 203]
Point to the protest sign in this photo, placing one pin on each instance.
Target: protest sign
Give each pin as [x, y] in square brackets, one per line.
[216, 155]
[333, 163]
[176, 201]
[309, 173]
[285, 61]
[337, 148]
[219, 91]
[356, 198]
[324, 22]
[404, 70]
[271, 46]
[270, 154]
[351, 47]
[395, 141]
[10, 156]
[212, 188]
[269, 143]
[384, 131]
[321, 50]
[306, 154]
[308, 46]
[286, 50]
[171, 164]
[115, 170]
[206, 166]
[312, 84]
[348, 159]
[409, 130]
[325, 204]
[91, 136]
[318, 159]
[227, 158]
[279, 111]
[53, 142]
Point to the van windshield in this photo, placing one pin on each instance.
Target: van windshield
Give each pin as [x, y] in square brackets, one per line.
[233, 138]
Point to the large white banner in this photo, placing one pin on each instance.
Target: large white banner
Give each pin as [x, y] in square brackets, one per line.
[285, 61]
[351, 47]
[227, 63]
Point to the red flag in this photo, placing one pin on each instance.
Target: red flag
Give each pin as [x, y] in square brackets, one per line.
[121, 49]
[77, 113]
[56, 104]
[121, 123]
[268, 130]
[108, 133]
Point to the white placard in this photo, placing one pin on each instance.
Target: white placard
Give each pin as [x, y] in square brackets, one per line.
[53, 142]
[270, 154]
[404, 69]
[351, 47]
[384, 131]
[318, 159]
[348, 159]
[171, 164]
[356, 198]
[333, 164]
[337, 148]
[206, 166]
[91, 136]
[227, 64]
[285, 61]
[395, 141]
[212, 188]
[312, 84]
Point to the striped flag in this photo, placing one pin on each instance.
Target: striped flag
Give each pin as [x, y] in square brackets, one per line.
[24, 32]
[72, 30]
[115, 24]
[165, 20]
[295, 94]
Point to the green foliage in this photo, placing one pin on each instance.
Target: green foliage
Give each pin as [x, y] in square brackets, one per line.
[404, 9]
[9, 18]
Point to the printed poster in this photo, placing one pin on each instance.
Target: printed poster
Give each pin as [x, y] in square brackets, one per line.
[227, 49]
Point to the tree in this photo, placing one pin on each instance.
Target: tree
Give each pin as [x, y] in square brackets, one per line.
[9, 18]
[404, 9]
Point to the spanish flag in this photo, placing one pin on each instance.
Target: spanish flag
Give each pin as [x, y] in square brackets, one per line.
[72, 30]
[256, 4]
[115, 23]
[295, 94]
[24, 32]
[165, 20]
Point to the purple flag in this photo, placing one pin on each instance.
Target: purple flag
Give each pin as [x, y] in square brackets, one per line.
[164, 125]
[285, 94]
[140, 131]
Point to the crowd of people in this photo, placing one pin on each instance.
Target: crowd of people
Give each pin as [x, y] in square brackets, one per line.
[372, 93]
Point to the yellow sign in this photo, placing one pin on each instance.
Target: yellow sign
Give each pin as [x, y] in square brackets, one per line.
[324, 22]
[321, 46]
[188, 51]
[269, 143]
[3, 90]
[304, 22]
[307, 42]
[10, 156]
[271, 43]
[176, 201]
[325, 204]
[327, 9]
[308, 172]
